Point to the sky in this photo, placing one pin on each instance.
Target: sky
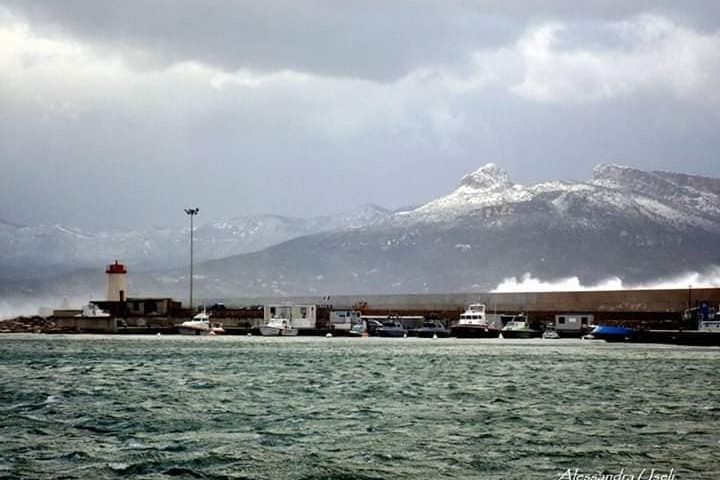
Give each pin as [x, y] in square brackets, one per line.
[121, 114]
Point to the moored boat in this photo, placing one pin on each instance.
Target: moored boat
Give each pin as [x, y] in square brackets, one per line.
[473, 324]
[389, 327]
[199, 325]
[707, 333]
[432, 329]
[611, 333]
[519, 328]
[550, 333]
[278, 327]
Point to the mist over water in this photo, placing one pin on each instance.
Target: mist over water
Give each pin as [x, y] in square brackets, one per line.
[13, 307]
[302, 408]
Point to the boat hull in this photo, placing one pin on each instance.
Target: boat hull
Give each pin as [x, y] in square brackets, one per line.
[199, 331]
[613, 333]
[550, 336]
[521, 333]
[188, 331]
[277, 332]
[678, 337]
[432, 333]
[389, 333]
[474, 332]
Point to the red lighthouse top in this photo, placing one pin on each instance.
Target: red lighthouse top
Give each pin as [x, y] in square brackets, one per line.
[116, 268]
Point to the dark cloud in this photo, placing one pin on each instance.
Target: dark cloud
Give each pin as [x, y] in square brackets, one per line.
[123, 113]
[377, 39]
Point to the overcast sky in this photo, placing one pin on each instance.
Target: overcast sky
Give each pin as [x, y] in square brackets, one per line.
[122, 113]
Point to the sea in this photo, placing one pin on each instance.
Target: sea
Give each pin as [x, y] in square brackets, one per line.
[162, 407]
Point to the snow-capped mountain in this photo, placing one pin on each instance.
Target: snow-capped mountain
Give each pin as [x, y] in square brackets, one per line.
[489, 186]
[661, 196]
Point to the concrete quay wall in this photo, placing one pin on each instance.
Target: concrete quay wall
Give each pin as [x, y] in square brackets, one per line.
[670, 301]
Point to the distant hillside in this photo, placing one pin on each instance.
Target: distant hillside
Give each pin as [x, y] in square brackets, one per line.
[36, 252]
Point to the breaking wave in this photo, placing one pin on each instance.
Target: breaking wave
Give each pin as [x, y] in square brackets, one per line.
[528, 283]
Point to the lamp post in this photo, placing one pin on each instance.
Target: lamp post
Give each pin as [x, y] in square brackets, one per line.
[191, 212]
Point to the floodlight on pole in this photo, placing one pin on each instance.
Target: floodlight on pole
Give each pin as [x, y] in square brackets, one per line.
[191, 212]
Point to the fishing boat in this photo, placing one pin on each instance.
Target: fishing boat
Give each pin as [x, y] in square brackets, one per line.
[389, 327]
[276, 327]
[200, 325]
[432, 329]
[473, 324]
[703, 324]
[519, 328]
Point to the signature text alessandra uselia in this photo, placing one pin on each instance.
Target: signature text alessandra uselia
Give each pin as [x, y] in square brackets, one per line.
[644, 474]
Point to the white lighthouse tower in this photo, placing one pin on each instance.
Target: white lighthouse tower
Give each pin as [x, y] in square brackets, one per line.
[116, 282]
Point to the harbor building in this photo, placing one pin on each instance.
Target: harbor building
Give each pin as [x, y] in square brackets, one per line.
[299, 316]
[573, 323]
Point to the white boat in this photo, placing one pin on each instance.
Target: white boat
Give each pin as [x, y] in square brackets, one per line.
[92, 311]
[278, 327]
[707, 317]
[519, 328]
[199, 325]
[473, 324]
[550, 333]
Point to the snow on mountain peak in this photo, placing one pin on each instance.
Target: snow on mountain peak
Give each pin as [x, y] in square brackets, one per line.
[489, 185]
[663, 196]
[488, 177]
[618, 176]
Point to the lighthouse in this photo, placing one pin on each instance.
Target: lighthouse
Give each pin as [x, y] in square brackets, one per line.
[116, 282]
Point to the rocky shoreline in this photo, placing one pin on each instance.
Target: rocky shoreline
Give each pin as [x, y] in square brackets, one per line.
[34, 324]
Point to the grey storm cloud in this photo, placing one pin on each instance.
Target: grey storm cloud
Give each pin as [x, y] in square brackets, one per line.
[117, 113]
[374, 39]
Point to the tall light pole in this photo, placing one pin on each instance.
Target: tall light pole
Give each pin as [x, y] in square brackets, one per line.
[191, 212]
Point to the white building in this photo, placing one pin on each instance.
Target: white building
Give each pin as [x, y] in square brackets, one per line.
[299, 316]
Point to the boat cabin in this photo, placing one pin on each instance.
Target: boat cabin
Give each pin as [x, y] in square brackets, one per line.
[573, 322]
[474, 315]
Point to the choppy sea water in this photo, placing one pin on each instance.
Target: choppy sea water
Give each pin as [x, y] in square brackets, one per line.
[316, 408]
